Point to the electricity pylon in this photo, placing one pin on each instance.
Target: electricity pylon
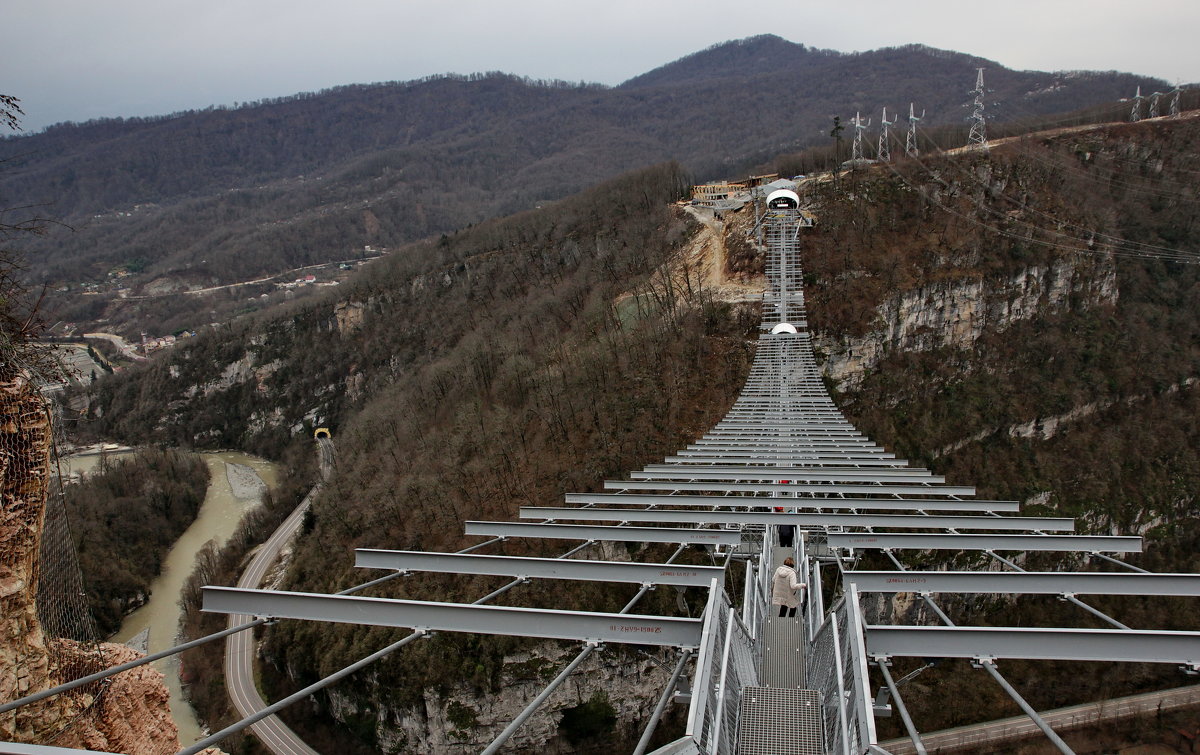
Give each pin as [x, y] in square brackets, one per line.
[856, 148]
[1154, 105]
[910, 140]
[884, 153]
[978, 135]
[1135, 113]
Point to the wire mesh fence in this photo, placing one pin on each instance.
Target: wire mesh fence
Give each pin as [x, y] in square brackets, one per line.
[725, 668]
[836, 670]
[51, 637]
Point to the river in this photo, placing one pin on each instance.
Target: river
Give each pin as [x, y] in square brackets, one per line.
[236, 486]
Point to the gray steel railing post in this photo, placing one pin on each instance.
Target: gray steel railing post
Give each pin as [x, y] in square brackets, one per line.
[839, 677]
[702, 680]
[856, 642]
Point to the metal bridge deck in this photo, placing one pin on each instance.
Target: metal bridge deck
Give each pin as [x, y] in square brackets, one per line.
[781, 717]
[783, 645]
[780, 722]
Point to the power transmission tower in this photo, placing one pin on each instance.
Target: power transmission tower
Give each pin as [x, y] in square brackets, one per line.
[884, 153]
[1135, 113]
[1175, 101]
[978, 135]
[856, 147]
[1154, 105]
[910, 141]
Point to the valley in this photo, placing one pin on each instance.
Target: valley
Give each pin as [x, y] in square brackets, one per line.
[519, 302]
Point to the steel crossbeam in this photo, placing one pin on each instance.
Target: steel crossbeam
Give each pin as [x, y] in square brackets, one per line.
[1126, 645]
[788, 476]
[761, 457]
[832, 448]
[805, 474]
[596, 532]
[747, 501]
[840, 433]
[832, 488]
[457, 617]
[981, 542]
[800, 519]
[542, 568]
[784, 425]
[798, 405]
[1027, 583]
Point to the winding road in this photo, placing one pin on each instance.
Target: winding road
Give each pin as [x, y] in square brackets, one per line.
[240, 648]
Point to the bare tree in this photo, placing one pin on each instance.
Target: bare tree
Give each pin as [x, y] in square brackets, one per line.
[19, 324]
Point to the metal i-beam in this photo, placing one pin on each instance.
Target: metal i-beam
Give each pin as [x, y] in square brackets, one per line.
[794, 478]
[786, 425]
[821, 436]
[457, 617]
[1027, 583]
[977, 542]
[543, 568]
[595, 532]
[831, 488]
[1125, 645]
[764, 457]
[800, 519]
[792, 447]
[803, 474]
[744, 501]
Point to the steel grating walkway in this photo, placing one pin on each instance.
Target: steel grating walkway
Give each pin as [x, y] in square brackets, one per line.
[780, 722]
[783, 645]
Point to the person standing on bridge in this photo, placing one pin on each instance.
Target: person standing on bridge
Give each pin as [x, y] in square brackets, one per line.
[787, 591]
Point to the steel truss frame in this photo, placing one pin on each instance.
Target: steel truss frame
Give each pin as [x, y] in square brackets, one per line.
[747, 501]
[594, 532]
[541, 568]
[1043, 644]
[981, 542]
[1026, 583]
[799, 519]
[456, 617]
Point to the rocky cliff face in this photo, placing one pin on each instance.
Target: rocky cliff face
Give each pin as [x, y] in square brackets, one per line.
[945, 313]
[956, 313]
[618, 686]
[127, 713]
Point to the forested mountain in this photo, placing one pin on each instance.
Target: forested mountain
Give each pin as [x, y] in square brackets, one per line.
[1003, 317]
[203, 198]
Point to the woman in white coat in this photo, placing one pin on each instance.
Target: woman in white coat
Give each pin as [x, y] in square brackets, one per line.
[787, 589]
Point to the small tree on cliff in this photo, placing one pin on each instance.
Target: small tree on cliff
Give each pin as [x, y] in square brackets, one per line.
[19, 324]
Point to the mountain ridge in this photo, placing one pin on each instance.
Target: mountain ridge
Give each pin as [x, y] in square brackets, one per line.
[219, 196]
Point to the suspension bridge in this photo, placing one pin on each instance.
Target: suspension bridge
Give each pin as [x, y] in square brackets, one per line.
[782, 475]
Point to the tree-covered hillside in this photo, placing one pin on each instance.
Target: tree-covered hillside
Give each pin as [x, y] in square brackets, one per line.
[206, 198]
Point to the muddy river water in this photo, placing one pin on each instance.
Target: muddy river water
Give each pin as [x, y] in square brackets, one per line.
[236, 486]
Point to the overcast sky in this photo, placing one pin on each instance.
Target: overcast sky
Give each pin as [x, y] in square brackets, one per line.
[81, 59]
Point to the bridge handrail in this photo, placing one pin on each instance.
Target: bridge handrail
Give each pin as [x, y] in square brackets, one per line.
[725, 666]
[836, 666]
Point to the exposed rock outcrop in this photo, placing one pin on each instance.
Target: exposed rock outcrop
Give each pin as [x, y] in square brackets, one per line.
[955, 314]
[126, 713]
[465, 721]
